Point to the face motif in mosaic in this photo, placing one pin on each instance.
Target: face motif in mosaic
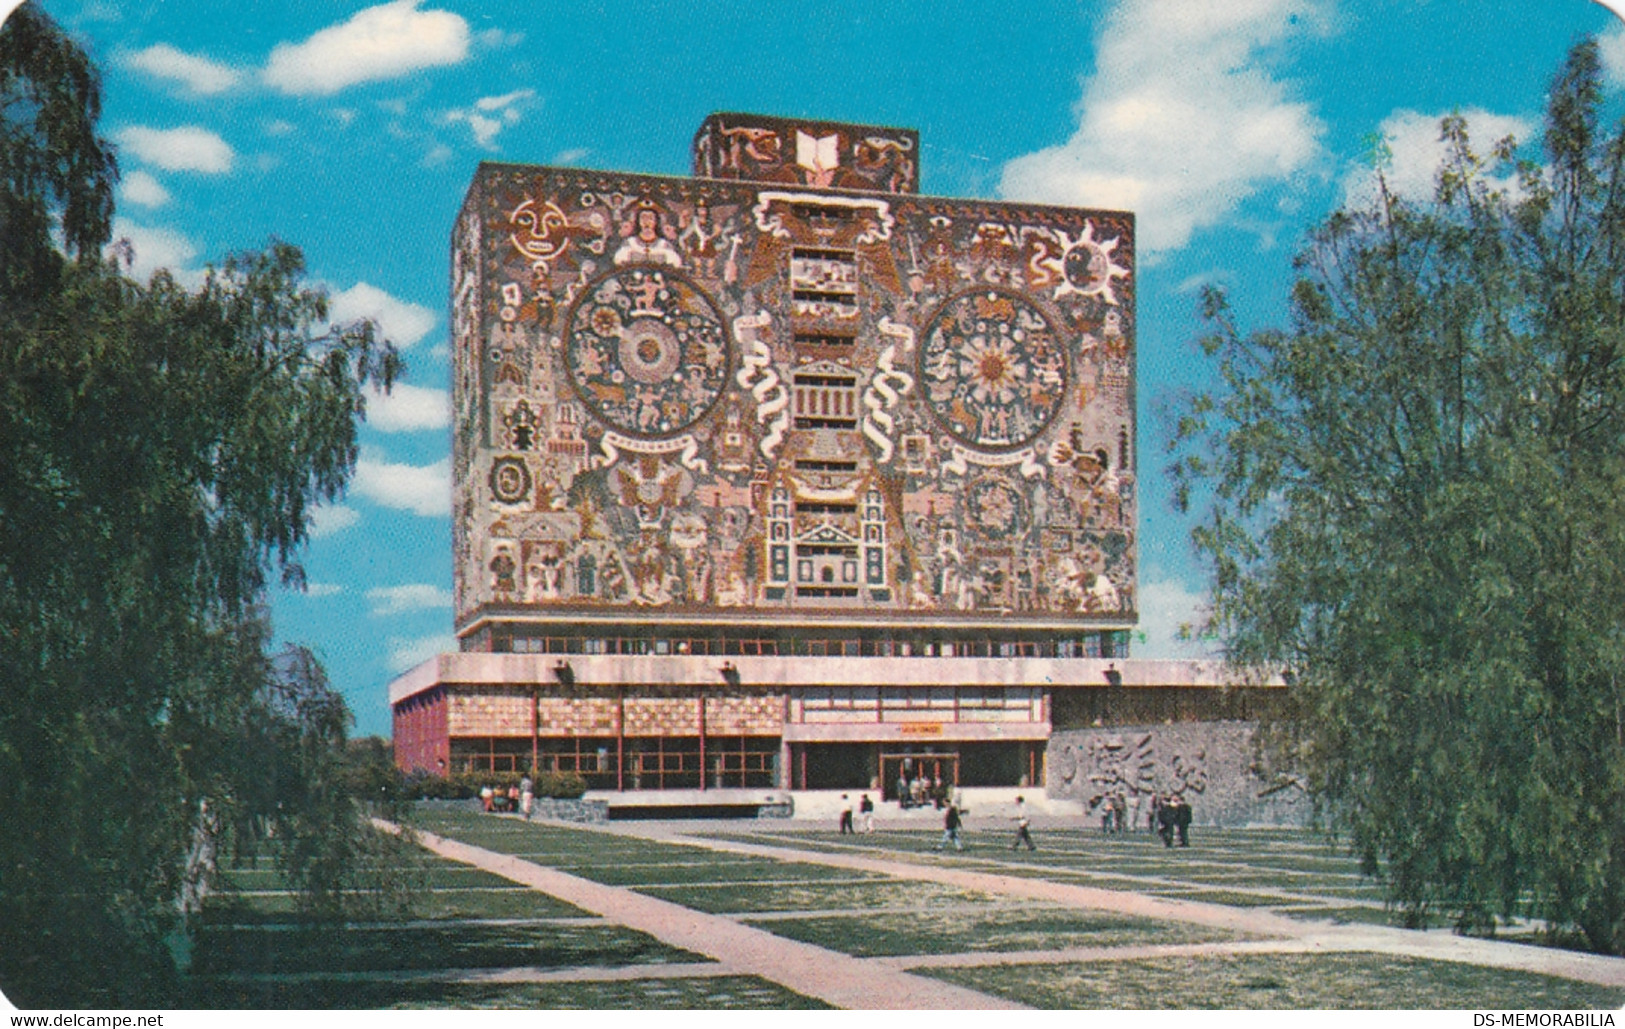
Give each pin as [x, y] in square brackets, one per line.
[647, 350]
[994, 369]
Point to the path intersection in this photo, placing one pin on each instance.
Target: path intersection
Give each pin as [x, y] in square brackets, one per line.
[770, 914]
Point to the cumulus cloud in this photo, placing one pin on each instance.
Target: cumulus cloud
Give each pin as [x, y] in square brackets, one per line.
[332, 519]
[323, 589]
[1416, 152]
[407, 408]
[417, 596]
[199, 75]
[188, 148]
[1166, 607]
[402, 321]
[143, 190]
[1181, 120]
[491, 114]
[377, 43]
[144, 249]
[421, 489]
[405, 653]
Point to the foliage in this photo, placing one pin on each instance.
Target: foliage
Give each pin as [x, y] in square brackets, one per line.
[463, 785]
[56, 174]
[1418, 509]
[160, 452]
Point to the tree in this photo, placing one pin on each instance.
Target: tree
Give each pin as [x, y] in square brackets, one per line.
[161, 449]
[1415, 503]
[55, 172]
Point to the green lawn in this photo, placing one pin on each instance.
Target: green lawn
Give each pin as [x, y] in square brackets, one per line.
[1280, 981]
[887, 934]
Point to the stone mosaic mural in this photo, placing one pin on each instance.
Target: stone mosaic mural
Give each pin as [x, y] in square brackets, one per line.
[697, 395]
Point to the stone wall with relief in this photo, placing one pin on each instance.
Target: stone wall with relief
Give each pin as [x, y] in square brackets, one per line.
[1212, 764]
[703, 395]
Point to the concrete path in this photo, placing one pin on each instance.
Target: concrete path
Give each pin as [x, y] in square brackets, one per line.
[1440, 945]
[826, 975]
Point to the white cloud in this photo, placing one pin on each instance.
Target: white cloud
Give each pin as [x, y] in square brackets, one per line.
[199, 75]
[188, 148]
[570, 156]
[332, 519]
[153, 248]
[407, 408]
[1166, 606]
[404, 322]
[143, 190]
[1611, 46]
[278, 127]
[323, 589]
[1416, 153]
[422, 489]
[1182, 119]
[491, 114]
[383, 42]
[409, 653]
[417, 596]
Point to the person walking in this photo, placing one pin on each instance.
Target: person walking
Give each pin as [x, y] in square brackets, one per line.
[950, 829]
[866, 811]
[1165, 822]
[527, 795]
[1022, 822]
[1182, 820]
[846, 815]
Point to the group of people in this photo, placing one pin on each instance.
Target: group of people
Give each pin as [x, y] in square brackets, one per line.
[520, 797]
[866, 815]
[921, 790]
[1170, 815]
[1167, 814]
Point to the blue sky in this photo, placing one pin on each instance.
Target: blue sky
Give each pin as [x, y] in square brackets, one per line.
[1229, 127]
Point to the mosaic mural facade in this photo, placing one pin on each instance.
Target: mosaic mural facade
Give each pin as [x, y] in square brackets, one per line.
[790, 385]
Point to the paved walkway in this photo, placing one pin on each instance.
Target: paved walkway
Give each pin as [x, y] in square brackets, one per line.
[885, 982]
[1440, 945]
[829, 976]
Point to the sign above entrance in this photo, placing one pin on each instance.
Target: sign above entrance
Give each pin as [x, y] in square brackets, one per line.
[920, 729]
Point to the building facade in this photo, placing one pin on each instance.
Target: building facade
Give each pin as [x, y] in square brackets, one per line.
[781, 474]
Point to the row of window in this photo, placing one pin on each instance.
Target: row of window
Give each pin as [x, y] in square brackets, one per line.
[932, 698]
[1098, 645]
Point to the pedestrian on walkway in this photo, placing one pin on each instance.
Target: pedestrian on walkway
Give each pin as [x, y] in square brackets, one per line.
[846, 815]
[866, 809]
[527, 795]
[950, 829]
[1165, 821]
[1022, 835]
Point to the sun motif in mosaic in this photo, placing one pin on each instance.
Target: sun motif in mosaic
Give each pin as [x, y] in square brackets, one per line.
[994, 368]
[647, 350]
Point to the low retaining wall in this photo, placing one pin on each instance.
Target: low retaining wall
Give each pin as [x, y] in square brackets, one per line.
[1211, 764]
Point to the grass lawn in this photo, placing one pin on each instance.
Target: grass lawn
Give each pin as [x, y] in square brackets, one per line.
[699, 993]
[886, 934]
[1281, 981]
[868, 895]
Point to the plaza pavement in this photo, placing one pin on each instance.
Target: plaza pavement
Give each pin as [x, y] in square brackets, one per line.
[884, 982]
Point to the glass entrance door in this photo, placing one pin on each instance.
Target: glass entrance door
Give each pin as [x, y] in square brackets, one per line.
[918, 775]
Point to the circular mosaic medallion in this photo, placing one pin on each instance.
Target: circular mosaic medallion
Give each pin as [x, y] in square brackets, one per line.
[647, 350]
[993, 368]
[994, 509]
[510, 480]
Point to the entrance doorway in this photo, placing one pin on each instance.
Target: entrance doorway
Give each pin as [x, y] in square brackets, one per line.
[938, 766]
